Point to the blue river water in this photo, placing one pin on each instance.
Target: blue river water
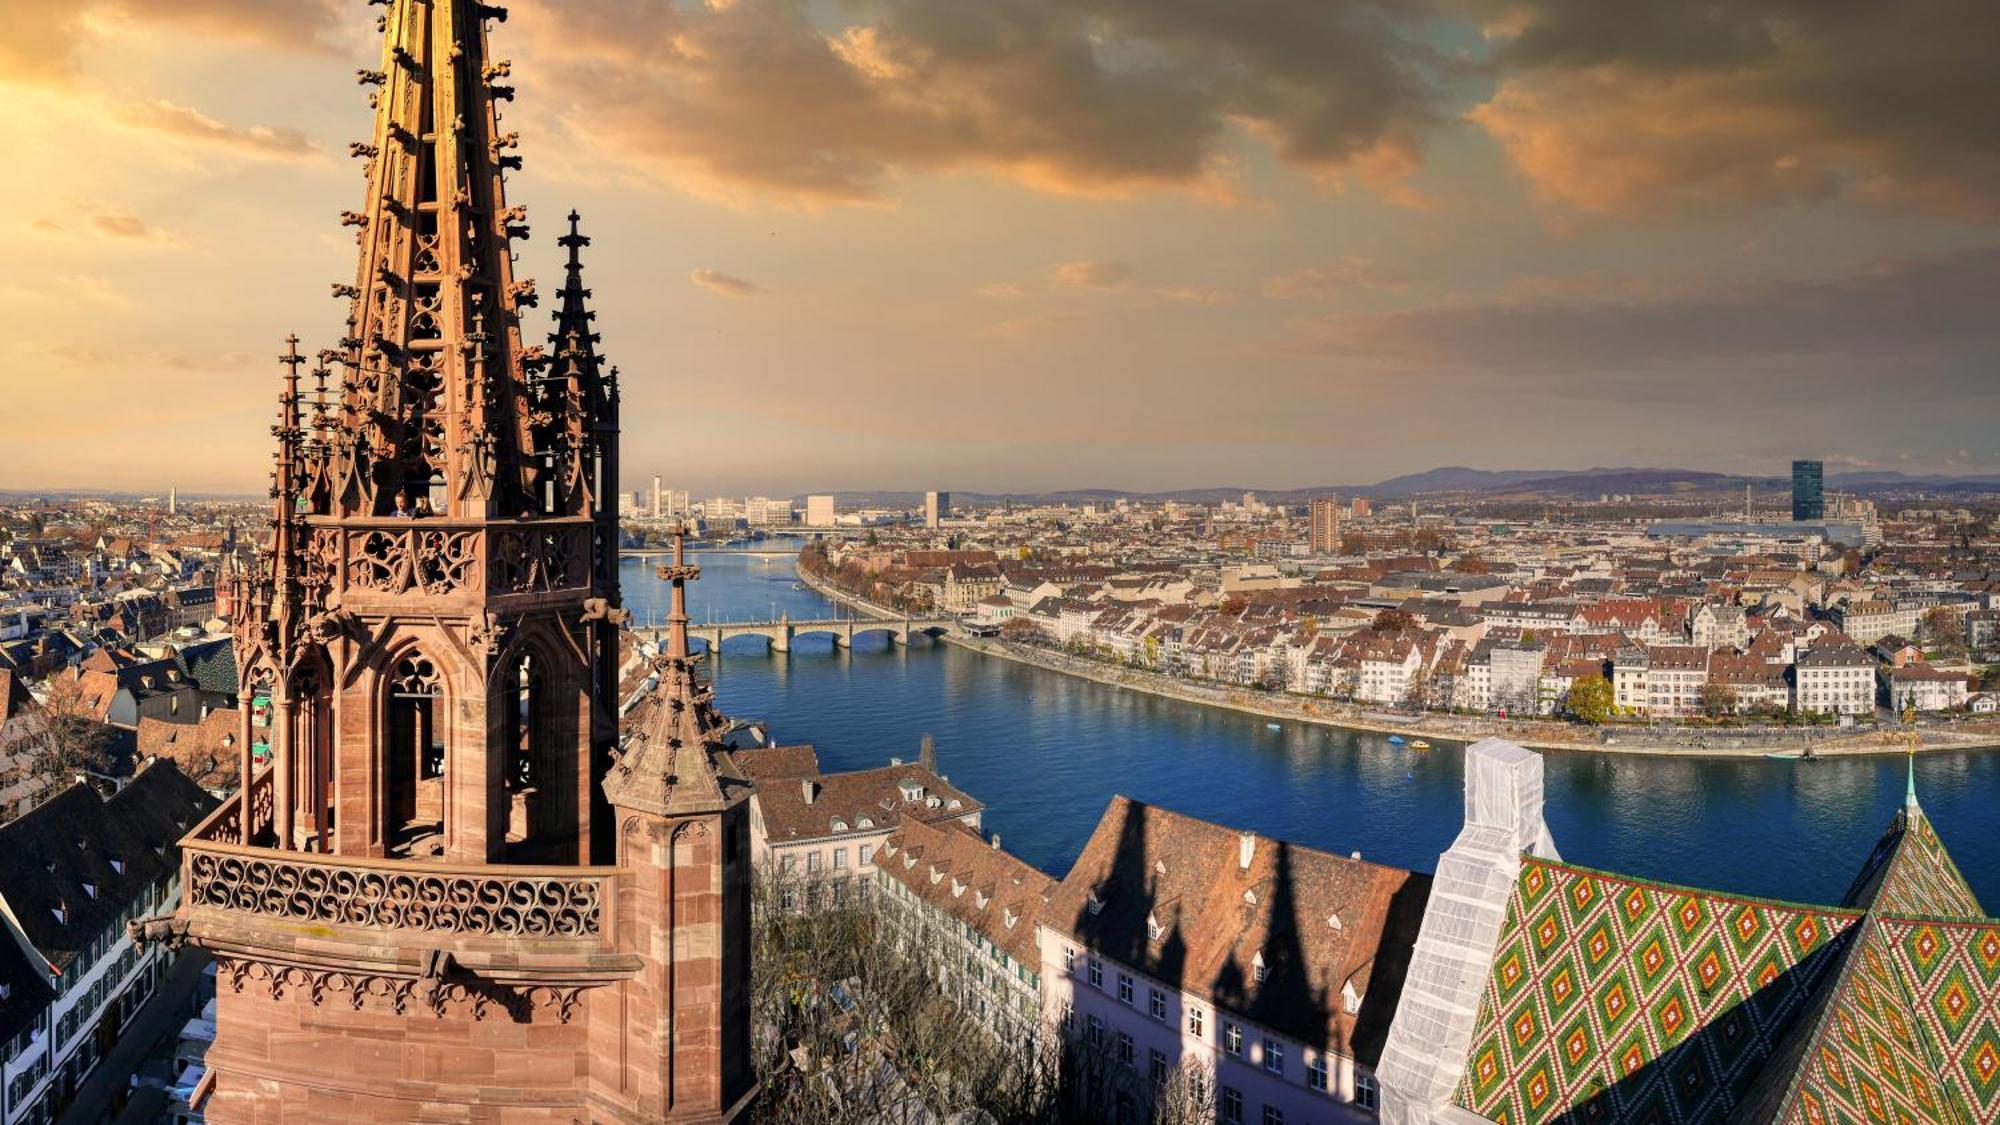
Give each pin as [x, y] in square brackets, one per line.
[1045, 752]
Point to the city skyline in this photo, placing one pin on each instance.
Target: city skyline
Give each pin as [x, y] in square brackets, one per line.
[425, 785]
[1420, 236]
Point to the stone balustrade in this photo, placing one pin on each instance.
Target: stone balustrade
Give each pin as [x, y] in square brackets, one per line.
[435, 557]
[225, 880]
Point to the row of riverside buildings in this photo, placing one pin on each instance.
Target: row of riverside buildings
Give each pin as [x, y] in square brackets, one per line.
[1304, 987]
[1477, 643]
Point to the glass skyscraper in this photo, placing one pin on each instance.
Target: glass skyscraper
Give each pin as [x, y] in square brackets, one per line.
[1808, 490]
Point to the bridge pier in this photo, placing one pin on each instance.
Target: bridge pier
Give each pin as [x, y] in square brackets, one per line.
[781, 639]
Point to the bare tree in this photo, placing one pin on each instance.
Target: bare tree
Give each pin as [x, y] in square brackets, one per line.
[65, 736]
[851, 1027]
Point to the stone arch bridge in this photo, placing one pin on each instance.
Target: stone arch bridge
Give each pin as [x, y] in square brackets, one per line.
[782, 632]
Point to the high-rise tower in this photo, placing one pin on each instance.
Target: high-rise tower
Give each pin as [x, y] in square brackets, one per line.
[1325, 525]
[1808, 490]
[447, 893]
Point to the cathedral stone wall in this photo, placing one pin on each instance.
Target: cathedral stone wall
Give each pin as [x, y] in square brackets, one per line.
[307, 1053]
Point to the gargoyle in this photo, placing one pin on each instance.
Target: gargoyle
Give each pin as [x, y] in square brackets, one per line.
[601, 609]
[165, 929]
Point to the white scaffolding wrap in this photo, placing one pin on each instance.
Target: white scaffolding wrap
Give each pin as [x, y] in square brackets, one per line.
[1431, 1036]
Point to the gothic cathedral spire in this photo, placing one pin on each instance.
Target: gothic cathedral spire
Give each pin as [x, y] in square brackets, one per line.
[437, 392]
[439, 845]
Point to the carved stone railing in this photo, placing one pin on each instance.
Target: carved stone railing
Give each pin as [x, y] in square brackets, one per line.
[438, 557]
[227, 881]
[225, 824]
[476, 902]
[536, 557]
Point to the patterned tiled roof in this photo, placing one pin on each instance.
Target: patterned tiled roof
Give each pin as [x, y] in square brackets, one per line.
[1907, 1032]
[1952, 970]
[1867, 1057]
[1615, 999]
[1909, 872]
[1600, 982]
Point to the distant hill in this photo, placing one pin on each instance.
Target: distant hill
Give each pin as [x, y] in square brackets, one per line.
[1583, 483]
[1454, 478]
[1891, 480]
[1599, 481]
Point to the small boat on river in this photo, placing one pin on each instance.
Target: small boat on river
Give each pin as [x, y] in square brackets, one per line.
[1420, 744]
[1396, 740]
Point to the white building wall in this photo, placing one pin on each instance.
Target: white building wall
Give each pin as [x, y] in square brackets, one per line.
[116, 972]
[1070, 1001]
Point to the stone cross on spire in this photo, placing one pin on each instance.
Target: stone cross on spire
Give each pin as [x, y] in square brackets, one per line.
[670, 765]
[678, 573]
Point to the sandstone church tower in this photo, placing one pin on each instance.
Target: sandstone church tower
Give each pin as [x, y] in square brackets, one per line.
[447, 891]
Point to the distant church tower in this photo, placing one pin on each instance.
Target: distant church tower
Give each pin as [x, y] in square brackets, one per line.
[448, 893]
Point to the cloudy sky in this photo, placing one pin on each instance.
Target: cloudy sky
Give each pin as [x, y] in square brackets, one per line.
[1023, 244]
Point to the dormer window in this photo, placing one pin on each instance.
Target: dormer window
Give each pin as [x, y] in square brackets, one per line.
[909, 861]
[957, 889]
[864, 822]
[90, 889]
[118, 866]
[979, 899]
[839, 825]
[955, 804]
[1258, 970]
[1009, 917]
[61, 912]
[1153, 928]
[1350, 1000]
[1093, 903]
[932, 803]
[1333, 922]
[935, 876]
[1250, 897]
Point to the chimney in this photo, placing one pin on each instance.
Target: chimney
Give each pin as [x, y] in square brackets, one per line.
[1246, 847]
[807, 787]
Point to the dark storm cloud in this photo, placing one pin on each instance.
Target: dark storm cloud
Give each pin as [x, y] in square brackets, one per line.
[1634, 106]
[1076, 95]
[1931, 312]
[1623, 106]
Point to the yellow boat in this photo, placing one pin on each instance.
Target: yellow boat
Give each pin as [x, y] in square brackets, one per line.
[1419, 744]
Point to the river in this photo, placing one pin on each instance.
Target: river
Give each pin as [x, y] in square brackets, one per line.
[1045, 752]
